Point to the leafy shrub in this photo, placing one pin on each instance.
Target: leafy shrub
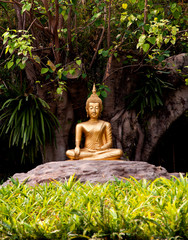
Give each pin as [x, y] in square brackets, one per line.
[118, 210]
[149, 93]
[28, 123]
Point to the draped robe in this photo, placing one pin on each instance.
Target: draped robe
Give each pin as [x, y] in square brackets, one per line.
[98, 142]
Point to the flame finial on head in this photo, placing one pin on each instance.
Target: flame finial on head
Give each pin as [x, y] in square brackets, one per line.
[94, 89]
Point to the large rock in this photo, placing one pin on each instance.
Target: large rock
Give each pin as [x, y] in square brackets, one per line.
[93, 171]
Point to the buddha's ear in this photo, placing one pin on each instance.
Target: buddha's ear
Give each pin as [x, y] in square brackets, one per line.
[87, 112]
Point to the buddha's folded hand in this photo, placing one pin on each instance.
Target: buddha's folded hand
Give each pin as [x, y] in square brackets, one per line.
[77, 151]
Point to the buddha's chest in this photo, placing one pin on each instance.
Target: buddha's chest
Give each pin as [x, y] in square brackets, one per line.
[94, 129]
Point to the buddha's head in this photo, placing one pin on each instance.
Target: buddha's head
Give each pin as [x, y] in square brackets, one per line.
[94, 104]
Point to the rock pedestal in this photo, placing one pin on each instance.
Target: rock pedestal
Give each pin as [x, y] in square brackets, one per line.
[92, 171]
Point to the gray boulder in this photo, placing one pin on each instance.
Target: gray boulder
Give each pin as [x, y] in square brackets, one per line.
[92, 171]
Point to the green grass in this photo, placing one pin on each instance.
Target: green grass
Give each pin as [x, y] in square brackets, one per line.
[73, 210]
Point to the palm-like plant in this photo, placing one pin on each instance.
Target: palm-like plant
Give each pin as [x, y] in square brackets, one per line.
[28, 122]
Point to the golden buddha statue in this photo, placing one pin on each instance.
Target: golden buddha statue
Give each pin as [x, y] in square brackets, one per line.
[98, 135]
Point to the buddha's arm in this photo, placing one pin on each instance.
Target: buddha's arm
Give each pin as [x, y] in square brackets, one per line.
[78, 139]
[108, 136]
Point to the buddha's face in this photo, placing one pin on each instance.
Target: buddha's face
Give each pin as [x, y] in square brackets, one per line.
[93, 110]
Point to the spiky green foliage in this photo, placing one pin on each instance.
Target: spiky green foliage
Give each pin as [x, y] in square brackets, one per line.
[149, 93]
[28, 123]
[72, 210]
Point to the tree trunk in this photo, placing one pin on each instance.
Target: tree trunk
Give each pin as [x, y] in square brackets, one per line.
[64, 113]
[61, 107]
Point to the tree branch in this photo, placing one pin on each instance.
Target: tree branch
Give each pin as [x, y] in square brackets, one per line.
[19, 16]
[37, 23]
[7, 15]
[55, 32]
[7, 58]
[98, 45]
[45, 3]
[69, 36]
[76, 33]
[145, 14]
[3, 28]
[31, 24]
[108, 31]
[56, 14]
[24, 20]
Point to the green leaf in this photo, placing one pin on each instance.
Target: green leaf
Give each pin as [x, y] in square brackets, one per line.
[100, 51]
[78, 62]
[105, 53]
[11, 50]
[104, 94]
[141, 5]
[44, 70]
[142, 38]
[5, 35]
[132, 1]
[115, 54]
[145, 47]
[59, 73]
[28, 6]
[173, 7]
[21, 65]
[10, 64]
[42, 126]
[72, 71]
[84, 75]
[13, 36]
[36, 58]
[24, 59]
[173, 41]
[152, 40]
[58, 65]
[7, 48]
[18, 61]
[97, 15]
[166, 40]
[59, 90]
[107, 88]
[174, 30]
